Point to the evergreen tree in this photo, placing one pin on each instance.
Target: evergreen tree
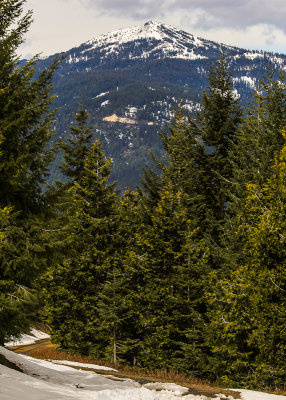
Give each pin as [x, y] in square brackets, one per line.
[260, 136]
[249, 304]
[217, 125]
[25, 121]
[198, 157]
[181, 166]
[76, 147]
[196, 172]
[73, 288]
[119, 298]
[172, 261]
[26, 127]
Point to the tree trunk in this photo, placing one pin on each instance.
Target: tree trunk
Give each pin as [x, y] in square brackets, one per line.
[114, 345]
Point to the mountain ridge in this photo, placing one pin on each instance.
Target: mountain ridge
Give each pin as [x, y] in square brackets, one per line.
[130, 80]
[170, 43]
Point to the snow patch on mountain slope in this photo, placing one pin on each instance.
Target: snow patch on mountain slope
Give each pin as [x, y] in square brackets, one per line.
[252, 56]
[247, 80]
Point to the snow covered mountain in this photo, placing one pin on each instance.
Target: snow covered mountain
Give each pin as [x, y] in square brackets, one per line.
[153, 40]
[130, 80]
[157, 41]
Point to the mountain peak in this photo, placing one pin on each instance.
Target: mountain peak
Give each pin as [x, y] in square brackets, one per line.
[153, 23]
[149, 30]
[161, 40]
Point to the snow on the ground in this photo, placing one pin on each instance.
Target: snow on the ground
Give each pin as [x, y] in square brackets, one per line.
[28, 339]
[253, 395]
[44, 380]
[172, 387]
[83, 365]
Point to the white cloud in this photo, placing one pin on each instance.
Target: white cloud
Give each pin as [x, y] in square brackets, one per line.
[239, 14]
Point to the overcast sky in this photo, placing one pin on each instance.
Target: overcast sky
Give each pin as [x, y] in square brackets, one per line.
[62, 24]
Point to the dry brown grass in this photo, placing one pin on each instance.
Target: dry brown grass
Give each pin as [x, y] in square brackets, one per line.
[50, 351]
[44, 349]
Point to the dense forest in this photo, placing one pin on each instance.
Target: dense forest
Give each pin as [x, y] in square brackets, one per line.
[187, 272]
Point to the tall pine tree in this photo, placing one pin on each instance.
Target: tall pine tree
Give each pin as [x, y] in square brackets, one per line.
[26, 126]
[249, 302]
[217, 125]
[73, 288]
[76, 147]
[260, 136]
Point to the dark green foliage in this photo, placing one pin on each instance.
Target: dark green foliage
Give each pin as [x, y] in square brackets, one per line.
[26, 128]
[217, 125]
[75, 285]
[16, 301]
[180, 166]
[249, 314]
[184, 208]
[173, 264]
[76, 147]
[179, 275]
[260, 136]
[247, 306]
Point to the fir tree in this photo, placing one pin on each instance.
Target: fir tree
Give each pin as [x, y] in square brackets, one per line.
[26, 126]
[260, 136]
[249, 304]
[76, 147]
[73, 288]
[217, 125]
[198, 158]
[173, 264]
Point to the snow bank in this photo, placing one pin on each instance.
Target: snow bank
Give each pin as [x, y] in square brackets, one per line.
[28, 339]
[44, 380]
[172, 387]
[83, 365]
[253, 395]
[63, 375]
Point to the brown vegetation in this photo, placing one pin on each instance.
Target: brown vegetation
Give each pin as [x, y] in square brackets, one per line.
[47, 350]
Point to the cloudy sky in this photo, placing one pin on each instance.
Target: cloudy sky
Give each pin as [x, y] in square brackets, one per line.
[62, 24]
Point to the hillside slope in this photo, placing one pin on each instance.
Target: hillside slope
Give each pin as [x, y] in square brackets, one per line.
[130, 80]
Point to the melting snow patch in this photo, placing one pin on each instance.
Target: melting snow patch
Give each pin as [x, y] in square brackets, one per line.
[28, 339]
[247, 80]
[101, 94]
[43, 380]
[252, 56]
[171, 387]
[83, 365]
[253, 395]
[104, 103]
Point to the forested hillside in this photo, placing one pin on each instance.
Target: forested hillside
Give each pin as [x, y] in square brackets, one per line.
[186, 273]
[131, 80]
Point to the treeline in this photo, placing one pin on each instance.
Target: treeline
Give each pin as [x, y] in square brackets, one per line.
[186, 273]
